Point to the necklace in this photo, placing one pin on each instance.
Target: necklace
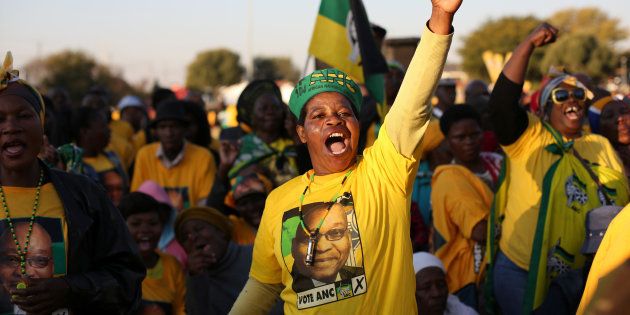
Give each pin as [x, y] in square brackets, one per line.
[22, 250]
[314, 235]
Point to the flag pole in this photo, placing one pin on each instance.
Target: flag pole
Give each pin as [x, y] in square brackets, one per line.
[308, 58]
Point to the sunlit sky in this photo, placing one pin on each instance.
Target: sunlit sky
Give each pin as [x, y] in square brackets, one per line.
[156, 40]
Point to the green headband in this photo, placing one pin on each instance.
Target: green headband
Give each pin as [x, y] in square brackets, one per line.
[320, 81]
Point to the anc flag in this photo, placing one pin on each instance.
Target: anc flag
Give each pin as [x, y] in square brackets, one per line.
[343, 39]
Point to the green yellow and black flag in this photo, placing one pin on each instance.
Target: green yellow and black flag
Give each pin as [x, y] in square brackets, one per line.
[343, 39]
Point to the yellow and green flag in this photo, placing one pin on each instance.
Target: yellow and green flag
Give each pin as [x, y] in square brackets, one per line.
[343, 39]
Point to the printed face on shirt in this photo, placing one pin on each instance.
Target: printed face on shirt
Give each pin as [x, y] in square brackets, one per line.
[332, 247]
[337, 272]
[39, 260]
[331, 132]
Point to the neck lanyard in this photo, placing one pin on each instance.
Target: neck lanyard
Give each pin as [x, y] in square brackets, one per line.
[314, 235]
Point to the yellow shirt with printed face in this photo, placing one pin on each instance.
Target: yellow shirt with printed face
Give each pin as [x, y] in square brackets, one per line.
[48, 240]
[529, 162]
[363, 255]
[373, 231]
[186, 183]
[460, 200]
[612, 253]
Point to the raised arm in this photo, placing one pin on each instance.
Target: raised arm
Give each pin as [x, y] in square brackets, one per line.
[508, 118]
[408, 119]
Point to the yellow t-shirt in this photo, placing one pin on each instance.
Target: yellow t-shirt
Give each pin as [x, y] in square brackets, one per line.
[363, 256]
[242, 232]
[122, 129]
[48, 240]
[100, 163]
[123, 148]
[460, 200]
[612, 252]
[529, 161]
[165, 286]
[369, 232]
[432, 137]
[186, 183]
[138, 140]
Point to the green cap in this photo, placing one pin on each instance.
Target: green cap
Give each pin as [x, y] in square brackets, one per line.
[326, 80]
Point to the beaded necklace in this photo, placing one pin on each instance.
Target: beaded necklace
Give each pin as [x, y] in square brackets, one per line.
[313, 236]
[22, 251]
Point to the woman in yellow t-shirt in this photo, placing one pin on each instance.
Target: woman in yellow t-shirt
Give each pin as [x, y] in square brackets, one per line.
[64, 248]
[461, 197]
[336, 239]
[164, 287]
[547, 188]
[92, 135]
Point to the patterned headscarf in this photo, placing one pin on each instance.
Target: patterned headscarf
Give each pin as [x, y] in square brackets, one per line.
[245, 103]
[555, 82]
[320, 81]
[11, 84]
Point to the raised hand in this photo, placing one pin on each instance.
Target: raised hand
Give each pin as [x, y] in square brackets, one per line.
[442, 15]
[542, 35]
[448, 6]
[516, 67]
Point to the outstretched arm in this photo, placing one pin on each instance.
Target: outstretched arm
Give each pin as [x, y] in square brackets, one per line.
[409, 117]
[508, 118]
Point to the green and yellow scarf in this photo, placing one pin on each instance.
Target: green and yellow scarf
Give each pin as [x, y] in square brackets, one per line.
[568, 194]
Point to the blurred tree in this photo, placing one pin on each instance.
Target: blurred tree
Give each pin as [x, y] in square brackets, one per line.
[275, 68]
[591, 21]
[498, 36]
[214, 68]
[587, 54]
[76, 71]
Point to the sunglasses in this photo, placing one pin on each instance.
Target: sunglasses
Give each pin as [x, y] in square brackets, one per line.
[561, 95]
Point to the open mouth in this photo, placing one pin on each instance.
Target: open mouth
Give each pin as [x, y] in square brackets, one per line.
[573, 112]
[337, 143]
[145, 243]
[14, 148]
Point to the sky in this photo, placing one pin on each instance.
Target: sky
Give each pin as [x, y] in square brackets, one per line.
[157, 39]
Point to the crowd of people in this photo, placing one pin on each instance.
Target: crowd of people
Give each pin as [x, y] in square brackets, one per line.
[505, 204]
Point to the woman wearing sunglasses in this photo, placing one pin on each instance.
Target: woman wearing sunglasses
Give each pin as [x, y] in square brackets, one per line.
[549, 183]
